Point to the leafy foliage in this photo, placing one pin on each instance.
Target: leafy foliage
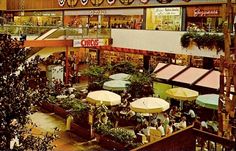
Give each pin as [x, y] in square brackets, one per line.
[206, 40]
[97, 77]
[17, 97]
[123, 67]
[141, 85]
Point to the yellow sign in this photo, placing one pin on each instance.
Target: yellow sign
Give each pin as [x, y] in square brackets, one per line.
[3, 4]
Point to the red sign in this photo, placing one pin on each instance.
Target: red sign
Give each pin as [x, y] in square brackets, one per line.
[89, 42]
[200, 12]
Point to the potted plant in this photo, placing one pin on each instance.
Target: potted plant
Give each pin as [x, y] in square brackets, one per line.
[141, 85]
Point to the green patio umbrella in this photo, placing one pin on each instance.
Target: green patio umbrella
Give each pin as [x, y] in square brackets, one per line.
[116, 85]
[120, 76]
[209, 101]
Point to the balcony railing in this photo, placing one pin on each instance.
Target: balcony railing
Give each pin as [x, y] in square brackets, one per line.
[59, 33]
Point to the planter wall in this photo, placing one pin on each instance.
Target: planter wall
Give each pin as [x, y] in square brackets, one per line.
[110, 144]
[81, 131]
[60, 111]
[48, 106]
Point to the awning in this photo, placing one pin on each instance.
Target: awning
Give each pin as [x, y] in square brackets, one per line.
[187, 76]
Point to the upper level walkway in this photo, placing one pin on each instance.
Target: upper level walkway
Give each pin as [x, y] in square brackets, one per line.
[55, 32]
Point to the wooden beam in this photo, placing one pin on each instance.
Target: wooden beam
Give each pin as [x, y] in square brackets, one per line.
[48, 43]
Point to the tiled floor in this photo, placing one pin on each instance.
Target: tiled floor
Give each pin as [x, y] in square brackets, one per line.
[67, 141]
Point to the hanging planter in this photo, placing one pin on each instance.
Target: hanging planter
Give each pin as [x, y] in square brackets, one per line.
[203, 41]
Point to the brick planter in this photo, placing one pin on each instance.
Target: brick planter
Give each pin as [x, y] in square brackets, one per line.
[81, 131]
[48, 106]
[111, 144]
[60, 111]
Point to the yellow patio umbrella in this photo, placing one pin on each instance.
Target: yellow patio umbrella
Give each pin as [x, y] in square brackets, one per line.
[149, 105]
[182, 94]
[103, 97]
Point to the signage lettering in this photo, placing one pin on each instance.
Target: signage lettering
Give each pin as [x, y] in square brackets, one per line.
[89, 42]
[200, 12]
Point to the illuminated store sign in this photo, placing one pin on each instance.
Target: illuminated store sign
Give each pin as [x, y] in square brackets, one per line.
[72, 3]
[200, 12]
[97, 2]
[203, 11]
[126, 2]
[84, 2]
[144, 1]
[61, 2]
[111, 2]
[90, 42]
[167, 11]
[164, 1]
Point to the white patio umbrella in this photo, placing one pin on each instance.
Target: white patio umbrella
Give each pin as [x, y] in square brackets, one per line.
[103, 97]
[120, 76]
[116, 85]
[149, 105]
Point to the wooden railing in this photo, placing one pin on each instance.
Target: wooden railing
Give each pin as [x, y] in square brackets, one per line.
[189, 140]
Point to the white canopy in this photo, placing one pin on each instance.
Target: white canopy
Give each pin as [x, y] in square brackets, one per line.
[103, 97]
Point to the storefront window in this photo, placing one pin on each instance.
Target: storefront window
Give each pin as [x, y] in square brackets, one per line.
[204, 19]
[112, 57]
[39, 19]
[166, 18]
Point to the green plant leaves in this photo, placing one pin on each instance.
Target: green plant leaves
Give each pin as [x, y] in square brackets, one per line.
[206, 40]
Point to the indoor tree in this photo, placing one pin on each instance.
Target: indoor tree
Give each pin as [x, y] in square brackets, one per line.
[17, 98]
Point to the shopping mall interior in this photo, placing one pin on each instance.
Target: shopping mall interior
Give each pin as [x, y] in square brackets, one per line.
[100, 75]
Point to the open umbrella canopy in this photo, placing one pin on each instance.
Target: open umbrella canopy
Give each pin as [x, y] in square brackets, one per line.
[116, 85]
[120, 76]
[182, 94]
[103, 97]
[149, 105]
[209, 101]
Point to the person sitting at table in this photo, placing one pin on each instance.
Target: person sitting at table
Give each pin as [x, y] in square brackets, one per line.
[166, 120]
[125, 95]
[169, 128]
[161, 128]
[130, 114]
[145, 130]
[174, 112]
[182, 124]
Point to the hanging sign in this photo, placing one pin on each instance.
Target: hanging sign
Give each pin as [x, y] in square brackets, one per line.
[72, 3]
[164, 1]
[90, 42]
[84, 2]
[203, 11]
[144, 1]
[111, 2]
[61, 2]
[170, 11]
[97, 2]
[126, 2]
